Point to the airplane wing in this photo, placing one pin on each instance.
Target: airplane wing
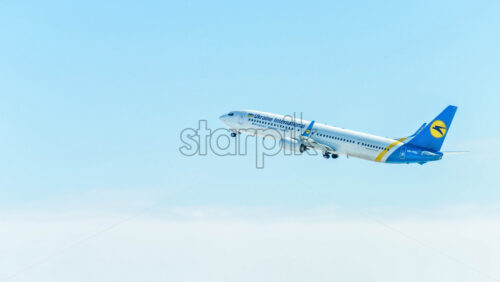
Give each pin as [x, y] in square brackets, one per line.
[311, 143]
[307, 140]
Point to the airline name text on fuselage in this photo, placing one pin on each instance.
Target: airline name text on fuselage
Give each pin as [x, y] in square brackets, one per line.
[277, 120]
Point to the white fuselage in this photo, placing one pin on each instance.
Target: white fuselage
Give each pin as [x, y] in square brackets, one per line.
[342, 141]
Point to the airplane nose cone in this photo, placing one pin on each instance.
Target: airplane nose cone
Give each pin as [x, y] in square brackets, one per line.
[224, 119]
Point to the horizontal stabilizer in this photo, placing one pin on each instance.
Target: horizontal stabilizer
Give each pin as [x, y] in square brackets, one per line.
[447, 153]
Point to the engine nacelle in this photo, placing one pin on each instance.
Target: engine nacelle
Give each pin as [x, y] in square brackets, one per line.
[291, 145]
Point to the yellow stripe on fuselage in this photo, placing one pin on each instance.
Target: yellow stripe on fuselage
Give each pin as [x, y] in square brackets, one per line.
[381, 155]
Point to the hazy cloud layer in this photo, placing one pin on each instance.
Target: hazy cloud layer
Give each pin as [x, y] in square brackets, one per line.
[201, 244]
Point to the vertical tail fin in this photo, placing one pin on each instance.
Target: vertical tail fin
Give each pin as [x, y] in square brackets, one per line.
[432, 136]
[419, 130]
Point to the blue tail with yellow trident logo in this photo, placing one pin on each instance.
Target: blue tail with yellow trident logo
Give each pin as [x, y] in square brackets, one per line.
[432, 136]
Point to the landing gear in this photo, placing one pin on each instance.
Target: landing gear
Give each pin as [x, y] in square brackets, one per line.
[233, 134]
[327, 155]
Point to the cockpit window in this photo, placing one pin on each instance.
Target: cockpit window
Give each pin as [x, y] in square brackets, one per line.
[230, 114]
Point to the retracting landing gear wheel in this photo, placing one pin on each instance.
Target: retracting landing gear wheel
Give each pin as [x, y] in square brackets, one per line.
[326, 155]
[233, 134]
[334, 156]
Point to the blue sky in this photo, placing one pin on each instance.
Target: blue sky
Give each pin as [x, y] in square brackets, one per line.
[94, 95]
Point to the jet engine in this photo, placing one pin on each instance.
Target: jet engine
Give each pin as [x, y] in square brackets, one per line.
[292, 145]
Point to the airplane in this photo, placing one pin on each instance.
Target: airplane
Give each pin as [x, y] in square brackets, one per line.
[300, 135]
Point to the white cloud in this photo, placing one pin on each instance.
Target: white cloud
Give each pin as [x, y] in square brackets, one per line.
[200, 244]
